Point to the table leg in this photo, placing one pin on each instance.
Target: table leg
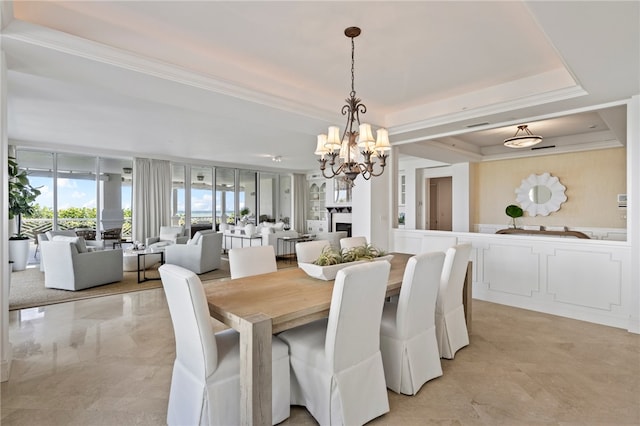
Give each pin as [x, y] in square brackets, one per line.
[255, 370]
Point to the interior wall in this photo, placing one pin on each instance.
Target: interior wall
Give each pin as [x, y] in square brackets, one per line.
[593, 180]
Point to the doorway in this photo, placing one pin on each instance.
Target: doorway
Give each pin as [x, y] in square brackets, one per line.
[439, 194]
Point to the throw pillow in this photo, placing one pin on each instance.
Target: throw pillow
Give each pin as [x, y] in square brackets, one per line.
[159, 244]
[279, 226]
[168, 236]
[79, 242]
[195, 239]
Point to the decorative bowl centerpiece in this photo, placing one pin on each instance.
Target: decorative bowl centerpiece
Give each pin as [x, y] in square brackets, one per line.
[330, 261]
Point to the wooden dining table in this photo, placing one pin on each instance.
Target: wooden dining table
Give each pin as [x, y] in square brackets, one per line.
[262, 305]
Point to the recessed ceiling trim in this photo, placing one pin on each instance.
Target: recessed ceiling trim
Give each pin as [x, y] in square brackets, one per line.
[565, 149]
[25, 32]
[399, 141]
[533, 100]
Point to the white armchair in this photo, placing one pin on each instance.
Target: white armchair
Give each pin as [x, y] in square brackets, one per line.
[168, 235]
[200, 254]
[70, 267]
[48, 236]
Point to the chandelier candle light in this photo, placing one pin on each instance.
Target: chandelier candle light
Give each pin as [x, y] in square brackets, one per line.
[345, 148]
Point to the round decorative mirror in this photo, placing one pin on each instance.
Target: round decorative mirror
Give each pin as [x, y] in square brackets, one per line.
[541, 194]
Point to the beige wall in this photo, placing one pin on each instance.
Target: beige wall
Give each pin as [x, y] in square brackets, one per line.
[593, 180]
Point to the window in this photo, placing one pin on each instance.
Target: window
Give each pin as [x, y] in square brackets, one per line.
[225, 196]
[201, 195]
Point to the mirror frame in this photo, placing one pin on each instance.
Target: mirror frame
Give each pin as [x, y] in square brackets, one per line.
[552, 183]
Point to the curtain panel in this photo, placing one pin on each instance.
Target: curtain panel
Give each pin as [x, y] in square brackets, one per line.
[300, 202]
[151, 197]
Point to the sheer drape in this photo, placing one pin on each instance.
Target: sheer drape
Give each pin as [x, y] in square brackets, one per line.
[151, 197]
[300, 202]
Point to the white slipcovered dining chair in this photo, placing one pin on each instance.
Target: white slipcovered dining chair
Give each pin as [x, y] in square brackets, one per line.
[408, 332]
[336, 366]
[309, 251]
[205, 384]
[351, 242]
[451, 326]
[247, 261]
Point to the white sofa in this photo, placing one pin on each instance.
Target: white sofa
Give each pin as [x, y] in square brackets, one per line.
[268, 233]
[270, 237]
[200, 254]
[70, 267]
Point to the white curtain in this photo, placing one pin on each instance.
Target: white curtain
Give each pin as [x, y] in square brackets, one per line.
[151, 197]
[300, 202]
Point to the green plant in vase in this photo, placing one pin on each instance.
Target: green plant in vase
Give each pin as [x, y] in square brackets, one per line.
[328, 257]
[22, 197]
[514, 212]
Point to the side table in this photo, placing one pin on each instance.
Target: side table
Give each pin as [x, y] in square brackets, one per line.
[289, 246]
[140, 260]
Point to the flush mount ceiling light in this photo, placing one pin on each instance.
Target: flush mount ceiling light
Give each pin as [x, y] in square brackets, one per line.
[276, 159]
[526, 139]
[345, 148]
[200, 177]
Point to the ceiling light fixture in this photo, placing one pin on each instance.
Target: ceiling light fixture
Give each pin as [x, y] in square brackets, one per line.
[200, 177]
[276, 159]
[346, 147]
[525, 140]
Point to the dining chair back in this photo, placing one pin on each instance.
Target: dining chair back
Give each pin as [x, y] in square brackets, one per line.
[451, 327]
[407, 333]
[351, 242]
[205, 384]
[247, 261]
[336, 365]
[309, 251]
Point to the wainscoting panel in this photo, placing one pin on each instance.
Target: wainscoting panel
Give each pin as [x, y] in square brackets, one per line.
[584, 279]
[597, 276]
[514, 270]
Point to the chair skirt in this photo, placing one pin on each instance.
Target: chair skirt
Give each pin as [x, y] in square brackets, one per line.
[350, 397]
[451, 331]
[409, 364]
[217, 401]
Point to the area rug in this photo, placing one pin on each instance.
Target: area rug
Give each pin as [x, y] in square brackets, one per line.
[28, 290]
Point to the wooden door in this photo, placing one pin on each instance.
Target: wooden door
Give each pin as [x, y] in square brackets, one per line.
[440, 203]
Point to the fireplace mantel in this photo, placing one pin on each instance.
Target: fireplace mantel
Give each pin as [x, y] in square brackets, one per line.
[339, 217]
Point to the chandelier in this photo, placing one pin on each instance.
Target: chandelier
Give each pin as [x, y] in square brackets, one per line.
[342, 151]
[526, 139]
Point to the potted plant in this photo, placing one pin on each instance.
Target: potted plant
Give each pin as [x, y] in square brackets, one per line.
[514, 212]
[401, 220]
[21, 202]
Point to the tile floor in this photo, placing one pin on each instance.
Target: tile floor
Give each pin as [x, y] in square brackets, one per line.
[107, 361]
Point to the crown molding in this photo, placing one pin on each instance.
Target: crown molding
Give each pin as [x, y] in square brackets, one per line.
[46, 38]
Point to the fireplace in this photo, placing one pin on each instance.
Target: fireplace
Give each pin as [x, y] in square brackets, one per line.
[341, 226]
[340, 219]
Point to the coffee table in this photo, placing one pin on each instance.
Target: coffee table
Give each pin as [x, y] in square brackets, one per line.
[140, 261]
